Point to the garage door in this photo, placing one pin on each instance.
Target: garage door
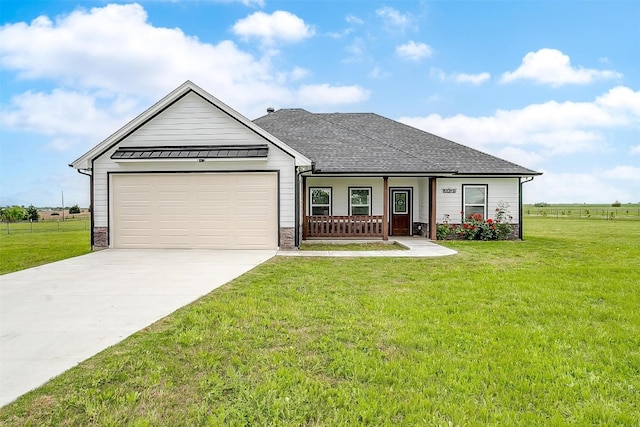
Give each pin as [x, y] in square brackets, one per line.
[195, 210]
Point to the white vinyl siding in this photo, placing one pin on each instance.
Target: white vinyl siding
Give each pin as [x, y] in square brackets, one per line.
[194, 121]
[499, 190]
[191, 120]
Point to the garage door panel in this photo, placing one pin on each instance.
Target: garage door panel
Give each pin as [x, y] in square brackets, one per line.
[199, 210]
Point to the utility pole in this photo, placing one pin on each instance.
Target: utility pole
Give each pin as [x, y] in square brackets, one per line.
[63, 206]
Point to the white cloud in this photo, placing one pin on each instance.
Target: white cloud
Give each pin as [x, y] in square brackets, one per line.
[414, 51]
[437, 73]
[556, 128]
[551, 66]
[279, 26]
[635, 149]
[475, 79]
[393, 19]
[352, 19]
[521, 156]
[623, 173]
[356, 50]
[554, 187]
[299, 73]
[378, 73]
[90, 55]
[324, 94]
[69, 117]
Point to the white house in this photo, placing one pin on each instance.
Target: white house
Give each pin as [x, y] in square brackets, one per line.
[191, 172]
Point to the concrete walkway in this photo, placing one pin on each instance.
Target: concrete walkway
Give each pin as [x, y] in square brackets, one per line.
[54, 316]
[418, 247]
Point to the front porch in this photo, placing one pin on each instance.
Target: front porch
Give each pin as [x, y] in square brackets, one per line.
[366, 207]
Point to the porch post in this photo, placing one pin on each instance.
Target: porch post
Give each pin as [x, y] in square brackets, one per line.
[432, 209]
[385, 209]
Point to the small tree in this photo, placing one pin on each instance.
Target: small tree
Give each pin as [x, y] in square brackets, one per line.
[74, 209]
[13, 214]
[616, 204]
[32, 213]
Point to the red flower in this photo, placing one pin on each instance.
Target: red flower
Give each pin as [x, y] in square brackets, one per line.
[473, 227]
[489, 221]
[465, 225]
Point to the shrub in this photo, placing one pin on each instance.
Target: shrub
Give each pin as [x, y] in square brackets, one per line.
[542, 205]
[475, 228]
[616, 204]
[74, 209]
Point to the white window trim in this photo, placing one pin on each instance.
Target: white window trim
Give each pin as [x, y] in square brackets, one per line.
[485, 187]
[312, 205]
[351, 205]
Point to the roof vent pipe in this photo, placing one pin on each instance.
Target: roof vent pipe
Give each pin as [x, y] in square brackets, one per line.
[271, 110]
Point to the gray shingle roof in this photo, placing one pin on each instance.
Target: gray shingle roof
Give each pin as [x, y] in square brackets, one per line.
[195, 152]
[370, 143]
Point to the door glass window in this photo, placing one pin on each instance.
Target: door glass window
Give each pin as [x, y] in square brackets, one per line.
[400, 202]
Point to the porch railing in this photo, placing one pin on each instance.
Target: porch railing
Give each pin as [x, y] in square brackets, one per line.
[343, 226]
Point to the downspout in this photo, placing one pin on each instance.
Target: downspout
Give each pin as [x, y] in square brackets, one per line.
[520, 219]
[296, 237]
[299, 208]
[90, 175]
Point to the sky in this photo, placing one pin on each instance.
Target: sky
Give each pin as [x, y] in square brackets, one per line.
[550, 85]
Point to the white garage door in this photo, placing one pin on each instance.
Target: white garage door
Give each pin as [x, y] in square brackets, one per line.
[195, 210]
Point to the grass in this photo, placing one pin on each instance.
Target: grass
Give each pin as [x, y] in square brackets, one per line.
[540, 332]
[27, 245]
[369, 246]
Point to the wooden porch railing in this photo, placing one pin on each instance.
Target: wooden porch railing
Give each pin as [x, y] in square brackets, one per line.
[343, 226]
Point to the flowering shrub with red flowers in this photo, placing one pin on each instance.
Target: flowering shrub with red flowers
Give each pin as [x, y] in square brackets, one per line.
[474, 227]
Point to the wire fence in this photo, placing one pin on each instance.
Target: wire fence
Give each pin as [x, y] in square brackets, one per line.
[584, 213]
[45, 226]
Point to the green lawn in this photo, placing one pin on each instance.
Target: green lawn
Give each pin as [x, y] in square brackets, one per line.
[540, 332]
[24, 245]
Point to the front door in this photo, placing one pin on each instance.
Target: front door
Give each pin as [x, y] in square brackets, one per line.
[400, 213]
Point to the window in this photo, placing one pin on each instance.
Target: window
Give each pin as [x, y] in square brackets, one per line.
[320, 201]
[360, 201]
[474, 200]
[400, 202]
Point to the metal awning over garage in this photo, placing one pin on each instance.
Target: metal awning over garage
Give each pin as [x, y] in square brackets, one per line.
[192, 152]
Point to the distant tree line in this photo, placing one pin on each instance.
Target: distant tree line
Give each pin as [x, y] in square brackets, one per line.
[20, 213]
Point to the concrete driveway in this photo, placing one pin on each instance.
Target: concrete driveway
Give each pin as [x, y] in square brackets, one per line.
[54, 316]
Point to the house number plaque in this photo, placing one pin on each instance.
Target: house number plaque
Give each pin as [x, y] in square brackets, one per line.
[449, 190]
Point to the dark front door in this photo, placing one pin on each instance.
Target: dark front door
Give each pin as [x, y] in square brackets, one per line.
[400, 213]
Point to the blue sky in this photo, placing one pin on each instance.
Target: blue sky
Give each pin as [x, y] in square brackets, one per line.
[550, 85]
